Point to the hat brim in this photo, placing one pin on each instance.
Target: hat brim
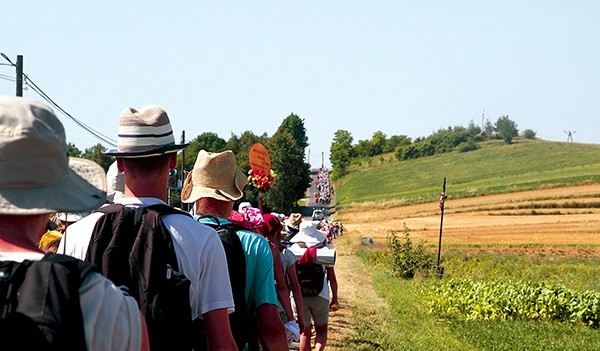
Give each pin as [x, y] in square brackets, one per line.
[82, 190]
[192, 192]
[307, 239]
[146, 153]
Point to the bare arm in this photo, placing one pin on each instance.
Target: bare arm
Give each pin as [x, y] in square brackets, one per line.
[283, 294]
[271, 331]
[218, 331]
[334, 286]
[297, 293]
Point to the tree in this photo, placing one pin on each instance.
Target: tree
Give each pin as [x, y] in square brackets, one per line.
[506, 129]
[378, 141]
[529, 134]
[95, 154]
[341, 153]
[295, 125]
[292, 173]
[395, 141]
[73, 151]
[208, 141]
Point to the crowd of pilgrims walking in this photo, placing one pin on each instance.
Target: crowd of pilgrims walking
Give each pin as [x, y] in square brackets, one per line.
[127, 299]
[324, 188]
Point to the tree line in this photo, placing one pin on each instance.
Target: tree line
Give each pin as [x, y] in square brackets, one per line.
[286, 149]
[344, 152]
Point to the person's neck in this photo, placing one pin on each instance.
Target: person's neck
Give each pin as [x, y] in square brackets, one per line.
[145, 190]
[21, 233]
[213, 207]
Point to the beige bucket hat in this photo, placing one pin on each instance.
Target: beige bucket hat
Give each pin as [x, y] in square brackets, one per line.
[144, 132]
[36, 174]
[215, 175]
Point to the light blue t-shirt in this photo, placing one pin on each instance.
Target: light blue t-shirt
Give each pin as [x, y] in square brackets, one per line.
[260, 278]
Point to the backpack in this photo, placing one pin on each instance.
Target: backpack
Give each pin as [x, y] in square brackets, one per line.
[236, 264]
[310, 277]
[133, 248]
[40, 300]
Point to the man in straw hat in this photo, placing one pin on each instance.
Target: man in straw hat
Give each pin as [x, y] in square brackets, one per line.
[37, 180]
[145, 153]
[213, 186]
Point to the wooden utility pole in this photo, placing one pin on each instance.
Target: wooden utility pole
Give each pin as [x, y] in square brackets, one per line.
[19, 68]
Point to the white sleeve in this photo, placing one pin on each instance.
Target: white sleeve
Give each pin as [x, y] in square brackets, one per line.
[111, 319]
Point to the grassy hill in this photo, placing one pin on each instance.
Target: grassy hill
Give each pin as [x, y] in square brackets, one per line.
[494, 168]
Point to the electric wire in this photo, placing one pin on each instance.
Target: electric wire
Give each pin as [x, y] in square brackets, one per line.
[89, 129]
[45, 96]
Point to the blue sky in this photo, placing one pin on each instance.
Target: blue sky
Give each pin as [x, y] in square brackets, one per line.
[401, 67]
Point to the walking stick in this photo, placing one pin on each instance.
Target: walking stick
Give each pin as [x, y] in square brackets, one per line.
[440, 270]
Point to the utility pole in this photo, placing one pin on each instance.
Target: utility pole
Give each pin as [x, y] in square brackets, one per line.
[19, 67]
[482, 117]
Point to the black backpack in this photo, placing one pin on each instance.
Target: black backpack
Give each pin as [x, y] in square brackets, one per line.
[133, 248]
[236, 263]
[40, 301]
[310, 277]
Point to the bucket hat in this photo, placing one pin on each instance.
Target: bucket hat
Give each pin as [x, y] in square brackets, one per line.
[144, 132]
[309, 234]
[37, 174]
[215, 175]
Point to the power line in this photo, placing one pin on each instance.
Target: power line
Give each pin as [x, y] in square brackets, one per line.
[89, 129]
[45, 96]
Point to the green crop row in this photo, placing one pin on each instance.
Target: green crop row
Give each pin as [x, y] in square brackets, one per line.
[476, 300]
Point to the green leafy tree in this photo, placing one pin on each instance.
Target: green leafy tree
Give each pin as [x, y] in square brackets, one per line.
[292, 173]
[363, 148]
[295, 125]
[506, 129]
[529, 134]
[378, 141]
[341, 153]
[73, 151]
[95, 154]
[208, 141]
[396, 141]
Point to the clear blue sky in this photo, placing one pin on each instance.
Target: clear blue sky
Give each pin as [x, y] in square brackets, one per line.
[402, 67]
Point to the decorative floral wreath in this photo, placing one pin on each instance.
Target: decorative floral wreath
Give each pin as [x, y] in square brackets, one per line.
[261, 180]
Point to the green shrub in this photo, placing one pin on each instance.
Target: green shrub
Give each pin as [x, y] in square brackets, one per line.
[407, 259]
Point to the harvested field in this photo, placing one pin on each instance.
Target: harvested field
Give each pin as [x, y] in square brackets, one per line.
[557, 222]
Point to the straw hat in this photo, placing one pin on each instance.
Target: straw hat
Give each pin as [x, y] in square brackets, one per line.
[309, 234]
[215, 175]
[37, 175]
[294, 221]
[144, 132]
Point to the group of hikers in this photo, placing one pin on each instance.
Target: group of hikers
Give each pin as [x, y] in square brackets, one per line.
[133, 273]
[324, 188]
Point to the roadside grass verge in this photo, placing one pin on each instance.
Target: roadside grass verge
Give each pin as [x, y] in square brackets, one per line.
[408, 325]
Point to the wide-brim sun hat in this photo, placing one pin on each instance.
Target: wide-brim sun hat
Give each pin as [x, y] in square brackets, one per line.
[309, 234]
[143, 133]
[215, 175]
[37, 176]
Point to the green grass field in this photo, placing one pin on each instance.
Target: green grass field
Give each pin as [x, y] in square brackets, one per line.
[495, 168]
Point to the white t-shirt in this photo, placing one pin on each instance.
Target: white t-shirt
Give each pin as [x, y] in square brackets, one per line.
[200, 254]
[111, 320]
